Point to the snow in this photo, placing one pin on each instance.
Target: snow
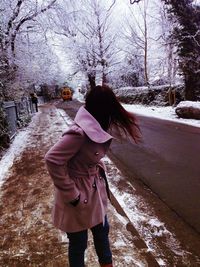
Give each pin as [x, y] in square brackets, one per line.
[15, 150]
[165, 113]
[19, 144]
[189, 104]
[161, 262]
[78, 95]
[66, 118]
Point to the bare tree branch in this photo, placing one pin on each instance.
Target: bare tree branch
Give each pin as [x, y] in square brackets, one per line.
[134, 1]
[114, 1]
[189, 36]
[14, 16]
[31, 17]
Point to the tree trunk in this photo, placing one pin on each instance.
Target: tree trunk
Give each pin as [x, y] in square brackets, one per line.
[145, 47]
[104, 77]
[190, 86]
[92, 81]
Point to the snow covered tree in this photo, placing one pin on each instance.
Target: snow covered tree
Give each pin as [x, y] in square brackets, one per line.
[170, 48]
[146, 34]
[17, 18]
[90, 39]
[186, 16]
[187, 34]
[137, 35]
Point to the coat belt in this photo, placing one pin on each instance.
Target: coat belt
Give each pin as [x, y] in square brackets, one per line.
[78, 174]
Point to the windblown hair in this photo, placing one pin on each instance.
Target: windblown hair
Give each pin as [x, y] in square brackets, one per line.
[103, 105]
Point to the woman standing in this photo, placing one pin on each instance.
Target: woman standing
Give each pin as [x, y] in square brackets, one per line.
[74, 163]
[34, 100]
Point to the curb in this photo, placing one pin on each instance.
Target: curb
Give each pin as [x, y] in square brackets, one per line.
[138, 242]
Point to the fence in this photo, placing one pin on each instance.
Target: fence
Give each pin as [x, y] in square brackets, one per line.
[17, 113]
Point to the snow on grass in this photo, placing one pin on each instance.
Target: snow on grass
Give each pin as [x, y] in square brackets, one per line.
[14, 151]
[22, 139]
[165, 113]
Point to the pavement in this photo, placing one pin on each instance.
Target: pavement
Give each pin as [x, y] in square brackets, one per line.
[27, 237]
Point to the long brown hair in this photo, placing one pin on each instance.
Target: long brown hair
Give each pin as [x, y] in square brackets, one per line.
[103, 105]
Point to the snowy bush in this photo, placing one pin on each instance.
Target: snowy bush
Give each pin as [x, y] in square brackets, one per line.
[188, 110]
[153, 95]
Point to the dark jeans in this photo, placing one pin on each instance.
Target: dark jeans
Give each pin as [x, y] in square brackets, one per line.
[78, 245]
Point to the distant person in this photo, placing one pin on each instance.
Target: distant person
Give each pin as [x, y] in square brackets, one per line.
[81, 187]
[34, 100]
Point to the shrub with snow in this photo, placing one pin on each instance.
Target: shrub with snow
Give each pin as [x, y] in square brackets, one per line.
[153, 95]
[188, 110]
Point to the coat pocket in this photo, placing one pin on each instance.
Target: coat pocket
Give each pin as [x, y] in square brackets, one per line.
[83, 202]
[57, 215]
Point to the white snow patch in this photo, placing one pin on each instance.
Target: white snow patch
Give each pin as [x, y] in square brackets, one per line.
[155, 222]
[63, 237]
[65, 117]
[129, 260]
[119, 243]
[22, 139]
[194, 104]
[79, 96]
[161, 262]
[12, 153]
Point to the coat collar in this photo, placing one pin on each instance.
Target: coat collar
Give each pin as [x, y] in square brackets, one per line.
[91, 126]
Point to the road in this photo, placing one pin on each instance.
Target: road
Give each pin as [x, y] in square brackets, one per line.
[168, 162]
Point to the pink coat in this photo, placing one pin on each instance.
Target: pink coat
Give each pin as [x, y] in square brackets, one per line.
[75, 167]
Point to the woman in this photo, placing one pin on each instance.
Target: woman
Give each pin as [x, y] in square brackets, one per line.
[81, 188]
[34, 100]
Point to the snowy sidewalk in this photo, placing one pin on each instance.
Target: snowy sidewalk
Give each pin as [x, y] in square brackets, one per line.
[28, 238]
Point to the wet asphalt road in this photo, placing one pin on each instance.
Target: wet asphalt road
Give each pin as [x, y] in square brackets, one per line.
[167, 161]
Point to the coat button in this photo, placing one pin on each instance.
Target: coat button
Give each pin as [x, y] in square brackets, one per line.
[85, 201]
[96, 153]
[100, 177]
[94, 185]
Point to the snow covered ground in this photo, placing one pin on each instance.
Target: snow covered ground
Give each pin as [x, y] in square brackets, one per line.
[165, 113]
[146, 223]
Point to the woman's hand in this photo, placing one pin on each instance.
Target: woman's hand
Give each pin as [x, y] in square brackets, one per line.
[75, 201]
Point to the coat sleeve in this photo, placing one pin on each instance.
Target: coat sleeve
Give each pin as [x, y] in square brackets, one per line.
[57, 158]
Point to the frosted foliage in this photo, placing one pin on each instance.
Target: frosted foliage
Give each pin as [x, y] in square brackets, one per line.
[89, 37]
[110, 41]
[38, 59]
[25, 51]
[146, 32]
